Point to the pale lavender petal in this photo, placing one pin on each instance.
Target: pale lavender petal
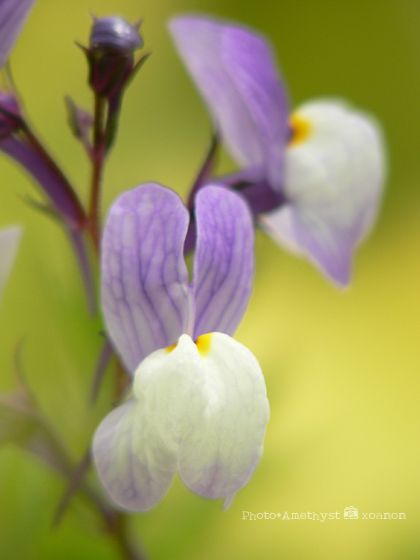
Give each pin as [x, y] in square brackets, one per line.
[146, 299]
[333, 256]
[134, 464]
[334, 178]
[223, 262]
[235, 72]
[9, 242]
[13, 14]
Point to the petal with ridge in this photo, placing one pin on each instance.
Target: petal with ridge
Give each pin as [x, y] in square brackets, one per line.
[235, 72]
[219, 454]
[145, 293]
[224, 260]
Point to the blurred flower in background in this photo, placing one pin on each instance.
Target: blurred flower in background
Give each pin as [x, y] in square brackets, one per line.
[319, 175]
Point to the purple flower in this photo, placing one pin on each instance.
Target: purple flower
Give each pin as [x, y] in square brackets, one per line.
[314, 179]
[199, 405]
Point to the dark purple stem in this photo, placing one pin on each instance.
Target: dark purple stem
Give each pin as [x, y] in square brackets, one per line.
[104, 358]
[205, 172]
[98, 159]
[81, 249]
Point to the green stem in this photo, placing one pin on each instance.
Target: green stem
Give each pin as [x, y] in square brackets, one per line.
[121, 535]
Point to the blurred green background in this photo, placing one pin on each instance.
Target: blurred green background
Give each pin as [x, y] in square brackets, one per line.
[342, 368]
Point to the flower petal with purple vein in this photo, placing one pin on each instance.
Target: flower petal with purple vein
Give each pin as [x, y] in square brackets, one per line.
[146, 298]
[223, 261]
[236, 74]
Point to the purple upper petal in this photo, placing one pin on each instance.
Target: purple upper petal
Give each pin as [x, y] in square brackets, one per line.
[146, 299]
[13, 14]
[223, 262]
[235, 72]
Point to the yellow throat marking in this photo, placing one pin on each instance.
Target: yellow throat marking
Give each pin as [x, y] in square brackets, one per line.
[172, 347]
[203, 344]
[301, 130]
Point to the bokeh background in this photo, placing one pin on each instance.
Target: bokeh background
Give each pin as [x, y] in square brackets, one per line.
[342, 368]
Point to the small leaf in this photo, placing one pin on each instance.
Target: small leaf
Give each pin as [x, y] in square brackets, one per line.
[79, 120]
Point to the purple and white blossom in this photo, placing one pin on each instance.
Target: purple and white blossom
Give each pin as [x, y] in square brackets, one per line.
[314, 179]
[199, 403]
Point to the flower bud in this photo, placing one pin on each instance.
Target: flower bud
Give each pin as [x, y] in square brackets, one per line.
[111, 54]
[115, 33]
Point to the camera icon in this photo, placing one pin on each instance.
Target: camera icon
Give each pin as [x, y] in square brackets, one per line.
[351, 513]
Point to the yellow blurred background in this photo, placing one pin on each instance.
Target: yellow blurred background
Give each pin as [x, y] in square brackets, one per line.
[342, 368]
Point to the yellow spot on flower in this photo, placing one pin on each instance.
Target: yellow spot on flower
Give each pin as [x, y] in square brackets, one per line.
[301, 129]
[203, 343]
[172, 347]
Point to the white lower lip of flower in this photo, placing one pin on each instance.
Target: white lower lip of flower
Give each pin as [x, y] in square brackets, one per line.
[335, 172]
[199, 409]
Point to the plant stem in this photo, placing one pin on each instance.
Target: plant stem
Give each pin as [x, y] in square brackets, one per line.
[120, 533]
[205, 171]
[115, 522]
[98, 160]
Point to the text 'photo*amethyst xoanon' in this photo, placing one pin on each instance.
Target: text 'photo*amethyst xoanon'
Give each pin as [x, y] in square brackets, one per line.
[199, 403]
[313, 179]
